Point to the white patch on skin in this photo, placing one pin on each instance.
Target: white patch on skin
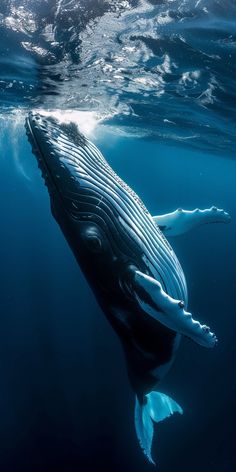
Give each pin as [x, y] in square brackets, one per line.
[170, 312]
[180, 221]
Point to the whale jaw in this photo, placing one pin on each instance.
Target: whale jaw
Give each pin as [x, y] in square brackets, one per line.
[54, 146]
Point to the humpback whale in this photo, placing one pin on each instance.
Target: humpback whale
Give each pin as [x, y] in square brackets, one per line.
[126, 258]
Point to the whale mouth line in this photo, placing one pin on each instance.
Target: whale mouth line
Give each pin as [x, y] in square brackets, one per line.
[47, 175]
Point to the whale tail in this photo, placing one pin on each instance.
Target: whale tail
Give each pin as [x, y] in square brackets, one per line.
[156, 407]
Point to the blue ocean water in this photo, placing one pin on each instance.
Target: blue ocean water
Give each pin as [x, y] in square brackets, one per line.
[154, 84]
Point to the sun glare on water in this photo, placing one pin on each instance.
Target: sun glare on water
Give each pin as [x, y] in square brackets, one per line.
[85, 120]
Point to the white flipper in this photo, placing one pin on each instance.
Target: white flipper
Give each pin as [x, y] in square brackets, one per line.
[180, 221]
[168, 311]
[157, 407]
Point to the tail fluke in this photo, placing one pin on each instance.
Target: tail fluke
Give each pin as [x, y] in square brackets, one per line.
[157, 407]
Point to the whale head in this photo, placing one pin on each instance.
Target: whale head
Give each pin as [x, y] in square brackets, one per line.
[88, 199]
[105, 223]
[68, 161]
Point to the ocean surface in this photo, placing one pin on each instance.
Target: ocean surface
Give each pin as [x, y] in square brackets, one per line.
[152, 83]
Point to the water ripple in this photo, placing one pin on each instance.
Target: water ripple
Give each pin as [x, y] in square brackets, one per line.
[161, 68]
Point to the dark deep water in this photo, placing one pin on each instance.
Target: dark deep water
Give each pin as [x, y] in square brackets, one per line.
[65, 400]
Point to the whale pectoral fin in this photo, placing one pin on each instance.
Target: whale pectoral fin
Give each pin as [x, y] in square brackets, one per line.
[168, 311]
[180, 221]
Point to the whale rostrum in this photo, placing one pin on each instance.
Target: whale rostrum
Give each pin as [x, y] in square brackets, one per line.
[132, 269]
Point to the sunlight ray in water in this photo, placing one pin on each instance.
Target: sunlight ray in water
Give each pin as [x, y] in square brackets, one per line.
[11, 129]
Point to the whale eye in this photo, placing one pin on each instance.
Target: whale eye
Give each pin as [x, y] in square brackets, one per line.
[93, 240]
[94, 243]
